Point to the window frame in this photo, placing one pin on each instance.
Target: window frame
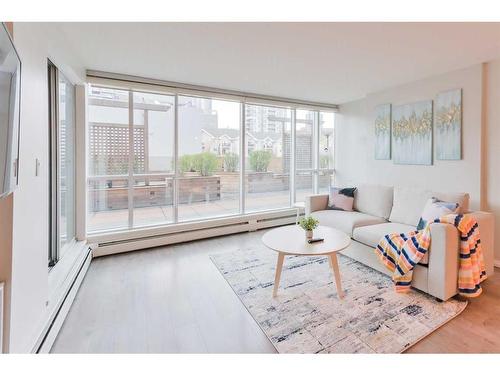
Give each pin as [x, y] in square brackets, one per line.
[54, 126]
[134, 86]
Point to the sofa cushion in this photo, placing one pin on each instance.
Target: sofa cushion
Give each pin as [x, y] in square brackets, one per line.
[434, 209]
[374, 200]
[371, 235]
[341, 199]
[461, 198]
[408, 203]
[344, 220]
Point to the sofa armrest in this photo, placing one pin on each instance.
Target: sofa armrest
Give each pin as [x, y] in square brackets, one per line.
[443, 261]
[316, 202]
[444, 254]
[486, 223]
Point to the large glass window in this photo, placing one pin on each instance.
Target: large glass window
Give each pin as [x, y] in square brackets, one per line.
[157, 159]
[153, 162]
[131, 162]
[268, 157]
[62, 163]
[209, 154]
[305, 153]
[108, 159]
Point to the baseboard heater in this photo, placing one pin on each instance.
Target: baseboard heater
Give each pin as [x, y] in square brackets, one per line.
[55, 323]
[149, 241]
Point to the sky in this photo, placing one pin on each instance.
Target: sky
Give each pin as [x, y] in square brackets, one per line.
[228, 113]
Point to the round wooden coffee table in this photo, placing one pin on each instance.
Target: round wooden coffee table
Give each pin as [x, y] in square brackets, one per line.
[291, 240]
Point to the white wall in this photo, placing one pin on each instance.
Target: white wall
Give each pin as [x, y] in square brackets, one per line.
[355, 153]
[492, 167]
[355, 162]
[30, 291]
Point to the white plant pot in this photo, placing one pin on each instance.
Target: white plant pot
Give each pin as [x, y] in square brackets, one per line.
[309, 234]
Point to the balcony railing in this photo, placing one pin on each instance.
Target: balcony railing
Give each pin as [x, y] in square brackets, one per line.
[198, 196]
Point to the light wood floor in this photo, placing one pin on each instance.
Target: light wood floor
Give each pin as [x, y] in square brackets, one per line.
[174, 300]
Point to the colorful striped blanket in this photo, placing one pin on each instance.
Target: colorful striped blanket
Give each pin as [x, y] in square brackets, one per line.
[401, 252]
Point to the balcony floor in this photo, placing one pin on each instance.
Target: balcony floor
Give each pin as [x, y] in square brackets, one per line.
[144, 216]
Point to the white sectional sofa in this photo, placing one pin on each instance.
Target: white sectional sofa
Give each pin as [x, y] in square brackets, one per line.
[379, 210]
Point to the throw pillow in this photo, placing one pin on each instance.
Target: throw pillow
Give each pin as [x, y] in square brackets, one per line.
[434, 209]
[341, 199]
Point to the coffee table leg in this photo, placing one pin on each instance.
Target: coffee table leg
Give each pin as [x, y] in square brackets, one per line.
[279, 267]
[336, 272]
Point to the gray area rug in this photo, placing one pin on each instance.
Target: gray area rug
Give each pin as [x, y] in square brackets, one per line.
[307, 316]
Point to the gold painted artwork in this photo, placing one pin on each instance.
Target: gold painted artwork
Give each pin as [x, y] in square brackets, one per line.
[383, 132]
[382, 125]
[412, 126]
[449, 125]
[448, 117]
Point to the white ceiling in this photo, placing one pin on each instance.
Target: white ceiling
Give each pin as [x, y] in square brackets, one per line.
[325, 62]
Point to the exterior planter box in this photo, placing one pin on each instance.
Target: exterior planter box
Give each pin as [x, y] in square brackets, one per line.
[199, 189]
[262, 182]
[229, 182]
[191, 190]
[256, 182]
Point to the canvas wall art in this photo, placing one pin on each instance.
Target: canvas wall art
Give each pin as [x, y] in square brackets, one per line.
[383, 132]
[449, 125]
[412, 133]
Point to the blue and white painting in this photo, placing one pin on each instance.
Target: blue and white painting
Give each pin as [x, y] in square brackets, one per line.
[383, 132]
[449, 125]
[412, 133]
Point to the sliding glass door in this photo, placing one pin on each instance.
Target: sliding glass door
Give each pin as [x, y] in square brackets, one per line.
[159, 158]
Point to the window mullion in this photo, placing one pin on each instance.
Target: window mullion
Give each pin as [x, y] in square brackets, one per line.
[293, 158]
[130, 189]
[316, 132]
[176, 160]
[242, 157]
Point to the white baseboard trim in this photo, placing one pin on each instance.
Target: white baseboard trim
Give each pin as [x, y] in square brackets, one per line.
[141, 243]
[59, 313]
[496, 263]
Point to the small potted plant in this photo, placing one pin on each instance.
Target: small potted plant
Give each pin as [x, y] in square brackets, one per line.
[308, 224]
